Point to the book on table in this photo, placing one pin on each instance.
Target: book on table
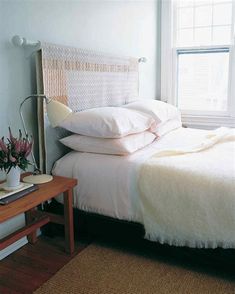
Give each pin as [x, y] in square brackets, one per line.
[7, 195]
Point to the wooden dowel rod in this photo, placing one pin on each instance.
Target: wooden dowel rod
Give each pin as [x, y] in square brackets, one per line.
[26, 230]
[54, 218]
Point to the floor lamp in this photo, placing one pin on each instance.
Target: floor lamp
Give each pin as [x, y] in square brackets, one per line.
[56, 112]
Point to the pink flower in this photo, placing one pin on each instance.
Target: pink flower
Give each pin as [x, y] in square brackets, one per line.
[15, 151]
[18, 146]
[12, 139]
[12, 158]
[21, 145]
[28, 149]
[3, 146]
[25, 145]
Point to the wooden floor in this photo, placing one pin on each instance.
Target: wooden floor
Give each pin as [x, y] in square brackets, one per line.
[29, 267]
[26, 269]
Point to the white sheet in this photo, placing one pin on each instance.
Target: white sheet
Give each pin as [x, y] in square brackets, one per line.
[108, 184]
[103, 185]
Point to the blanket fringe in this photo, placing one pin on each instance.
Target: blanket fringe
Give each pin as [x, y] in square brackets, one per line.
[192, 244]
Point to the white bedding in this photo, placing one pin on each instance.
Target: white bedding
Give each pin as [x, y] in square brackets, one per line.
[106, 182]
[187, 195]
[109, 184]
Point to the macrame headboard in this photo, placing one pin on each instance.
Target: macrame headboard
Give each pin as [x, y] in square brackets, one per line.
[81, 79]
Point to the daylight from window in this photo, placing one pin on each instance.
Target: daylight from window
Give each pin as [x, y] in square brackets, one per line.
[203, 34]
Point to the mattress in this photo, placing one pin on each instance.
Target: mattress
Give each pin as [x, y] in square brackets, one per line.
[107, 184]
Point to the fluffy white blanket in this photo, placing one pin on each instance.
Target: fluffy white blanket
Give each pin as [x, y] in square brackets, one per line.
[187, 195]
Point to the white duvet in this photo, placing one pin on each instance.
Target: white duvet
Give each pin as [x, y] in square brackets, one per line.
[187, 193]
[185, 196]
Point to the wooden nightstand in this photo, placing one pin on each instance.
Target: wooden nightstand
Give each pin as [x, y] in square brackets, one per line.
[36, 219]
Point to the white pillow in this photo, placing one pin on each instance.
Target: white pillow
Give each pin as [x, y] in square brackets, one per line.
[159, 110]
[166, 127]
[107, 122]
[120, 146]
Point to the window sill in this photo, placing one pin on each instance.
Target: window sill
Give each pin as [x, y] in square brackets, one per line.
[208, 122]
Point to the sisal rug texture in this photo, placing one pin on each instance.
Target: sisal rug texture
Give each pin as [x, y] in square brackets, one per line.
[103, 270]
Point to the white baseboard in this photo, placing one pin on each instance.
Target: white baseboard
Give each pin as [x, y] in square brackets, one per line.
[13, 247]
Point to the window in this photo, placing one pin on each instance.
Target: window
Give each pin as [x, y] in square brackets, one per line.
[203, 23]
[198, 46]
[202, 79]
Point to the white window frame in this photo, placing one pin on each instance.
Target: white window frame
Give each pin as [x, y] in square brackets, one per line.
[169, 74]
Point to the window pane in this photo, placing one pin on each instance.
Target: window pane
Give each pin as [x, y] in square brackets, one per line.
[203, 36]
[202, 2]
[203, 16]
[185, 37]
[185, 17]
[203, 81]
[222, 14]
[220, 1]
[221, 35]
[210, 22]
[185, 3]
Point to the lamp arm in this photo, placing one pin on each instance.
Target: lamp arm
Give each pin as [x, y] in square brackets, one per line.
[36, 168]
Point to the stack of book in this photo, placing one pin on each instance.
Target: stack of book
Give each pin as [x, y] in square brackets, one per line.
[7, 195]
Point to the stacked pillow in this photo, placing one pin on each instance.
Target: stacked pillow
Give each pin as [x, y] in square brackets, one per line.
[166, 116]
[119, 146]
[120, 130]
[109, 130]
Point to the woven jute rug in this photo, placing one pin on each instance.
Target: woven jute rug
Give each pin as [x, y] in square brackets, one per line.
[101, 269]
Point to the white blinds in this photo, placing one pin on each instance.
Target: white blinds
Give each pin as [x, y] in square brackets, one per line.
[203, 81]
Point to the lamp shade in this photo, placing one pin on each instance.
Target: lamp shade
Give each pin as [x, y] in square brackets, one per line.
[57, 112]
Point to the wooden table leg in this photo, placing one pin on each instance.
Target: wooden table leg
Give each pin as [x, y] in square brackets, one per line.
[68, 221]
[32, 238]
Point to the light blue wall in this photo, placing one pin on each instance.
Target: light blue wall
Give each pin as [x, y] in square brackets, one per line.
[118, 27]
[121, 27]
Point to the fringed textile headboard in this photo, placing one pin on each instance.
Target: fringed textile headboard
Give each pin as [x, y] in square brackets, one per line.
[81, 79]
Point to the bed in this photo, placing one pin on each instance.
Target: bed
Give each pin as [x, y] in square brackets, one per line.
[193, 204]
[181, 187]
